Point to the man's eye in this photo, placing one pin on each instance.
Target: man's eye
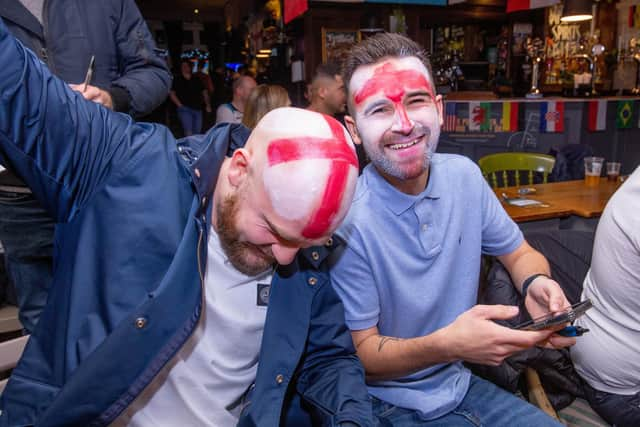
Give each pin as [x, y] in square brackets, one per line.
[381, 110]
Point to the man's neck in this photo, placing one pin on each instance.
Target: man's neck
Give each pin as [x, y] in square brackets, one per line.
[413, 186]
[238, 105]
[319, 107]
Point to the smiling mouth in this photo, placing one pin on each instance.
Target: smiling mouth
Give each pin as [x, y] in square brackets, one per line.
[404, 145]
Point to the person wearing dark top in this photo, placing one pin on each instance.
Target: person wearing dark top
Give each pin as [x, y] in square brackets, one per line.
[188, 94]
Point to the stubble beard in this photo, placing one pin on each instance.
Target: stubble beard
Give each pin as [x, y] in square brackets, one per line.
[394, 169]
[245, 257]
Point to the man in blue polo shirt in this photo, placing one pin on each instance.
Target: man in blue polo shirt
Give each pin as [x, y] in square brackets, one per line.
[415, 234]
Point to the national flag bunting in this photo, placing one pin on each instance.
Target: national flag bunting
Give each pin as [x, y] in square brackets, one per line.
[625, 112]
[450, 117]
[552, 116]
[510, 116]
[515, 5]
[480, 116]
[597, 115]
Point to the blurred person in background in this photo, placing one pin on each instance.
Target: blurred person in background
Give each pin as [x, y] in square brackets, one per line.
[129, 76]
[326, 93]
[231, 112]
[189, 95]
[263, 99]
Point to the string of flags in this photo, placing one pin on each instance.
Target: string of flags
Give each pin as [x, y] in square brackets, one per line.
[478, 116]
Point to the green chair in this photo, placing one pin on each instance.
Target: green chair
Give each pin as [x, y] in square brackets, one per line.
[507, 169]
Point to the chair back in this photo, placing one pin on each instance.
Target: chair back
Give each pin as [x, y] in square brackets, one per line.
[523, 167]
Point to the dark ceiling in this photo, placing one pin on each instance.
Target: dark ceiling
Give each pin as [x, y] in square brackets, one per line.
[182, 9]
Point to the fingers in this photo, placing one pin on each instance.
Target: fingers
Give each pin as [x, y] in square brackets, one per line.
[496, 312]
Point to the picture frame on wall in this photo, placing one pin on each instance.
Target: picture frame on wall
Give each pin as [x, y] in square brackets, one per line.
[337, 42]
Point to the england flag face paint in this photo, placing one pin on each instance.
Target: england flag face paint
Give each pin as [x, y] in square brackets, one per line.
[308, 178]
[397, 115]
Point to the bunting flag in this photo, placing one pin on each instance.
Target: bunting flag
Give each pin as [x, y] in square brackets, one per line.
[293, 9]
[480, 116]
[515, 5]
[597, 115]
[552, 116]
[450, 117]
[510, 116]
[625, 112]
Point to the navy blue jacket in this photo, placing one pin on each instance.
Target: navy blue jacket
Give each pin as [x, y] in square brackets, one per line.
[133, 211]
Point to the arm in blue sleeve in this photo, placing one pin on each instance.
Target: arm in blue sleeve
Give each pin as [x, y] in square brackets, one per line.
[145, 77]
[62, 145]
[332, 377]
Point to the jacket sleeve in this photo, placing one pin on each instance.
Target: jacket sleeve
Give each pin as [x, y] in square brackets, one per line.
[144, 80]
[63, 146]
[332, 377]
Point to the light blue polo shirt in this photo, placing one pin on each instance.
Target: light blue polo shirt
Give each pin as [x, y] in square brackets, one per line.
[412, 266]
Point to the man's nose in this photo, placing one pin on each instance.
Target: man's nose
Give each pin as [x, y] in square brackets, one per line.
[284, 254]
[401, 121]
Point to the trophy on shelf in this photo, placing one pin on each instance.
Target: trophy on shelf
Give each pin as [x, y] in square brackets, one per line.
[535, 49]
[634, 52]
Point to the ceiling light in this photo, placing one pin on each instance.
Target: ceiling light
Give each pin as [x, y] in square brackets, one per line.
[576, 11]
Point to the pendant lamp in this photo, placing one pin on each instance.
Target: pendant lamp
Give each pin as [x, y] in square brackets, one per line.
[576, 11]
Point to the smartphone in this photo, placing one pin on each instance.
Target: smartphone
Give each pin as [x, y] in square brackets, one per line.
[550, 320]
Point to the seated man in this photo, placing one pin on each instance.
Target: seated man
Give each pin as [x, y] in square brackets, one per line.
[608, 357]
[409, 274]
[165, 255]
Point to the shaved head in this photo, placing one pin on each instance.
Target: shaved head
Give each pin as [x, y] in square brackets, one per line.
[309, 170]
[290, 187]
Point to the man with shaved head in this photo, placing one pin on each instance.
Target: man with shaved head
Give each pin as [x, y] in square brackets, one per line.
[178, 266]
[415, 234]
[232, 112]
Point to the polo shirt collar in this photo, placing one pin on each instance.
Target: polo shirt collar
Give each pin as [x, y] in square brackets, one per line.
[397, 201]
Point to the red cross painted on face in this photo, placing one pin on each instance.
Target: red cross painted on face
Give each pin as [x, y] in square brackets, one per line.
[393, 83]
[342, 157]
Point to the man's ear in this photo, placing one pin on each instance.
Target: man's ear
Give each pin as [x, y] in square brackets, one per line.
[353, 129]
[439, 107]
[239, 167]
[322, 92]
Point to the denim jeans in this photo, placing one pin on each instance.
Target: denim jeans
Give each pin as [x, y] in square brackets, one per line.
[191, 120]
[485, 404]
[26, 232]
[617, 409]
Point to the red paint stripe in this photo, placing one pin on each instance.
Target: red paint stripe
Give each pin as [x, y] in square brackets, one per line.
[393, 83]
[321, 220]
[342, 157]
[513, 117]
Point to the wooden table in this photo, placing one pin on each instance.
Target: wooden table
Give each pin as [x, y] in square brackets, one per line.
[560, 199]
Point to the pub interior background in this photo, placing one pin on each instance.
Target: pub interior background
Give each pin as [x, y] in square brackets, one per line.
[481, 55]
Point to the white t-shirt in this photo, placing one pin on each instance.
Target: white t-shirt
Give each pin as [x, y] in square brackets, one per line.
[227, 113]
[608, 357]
[205, 382]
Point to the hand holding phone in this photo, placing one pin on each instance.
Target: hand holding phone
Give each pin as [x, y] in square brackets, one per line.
[567, 316]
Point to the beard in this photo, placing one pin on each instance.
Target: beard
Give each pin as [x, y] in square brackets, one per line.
[247, 258]
[397, 170]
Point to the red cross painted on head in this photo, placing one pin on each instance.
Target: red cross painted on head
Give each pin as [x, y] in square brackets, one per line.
[392, 83]
[342, 157]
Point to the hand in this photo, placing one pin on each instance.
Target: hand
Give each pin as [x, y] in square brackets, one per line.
[208, 109]
[95, 94]
[476, 338]
[546, 296]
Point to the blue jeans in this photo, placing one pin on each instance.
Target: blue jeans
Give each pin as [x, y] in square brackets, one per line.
[26, 232]
[617, 409]
[485, 404]
[191, 120]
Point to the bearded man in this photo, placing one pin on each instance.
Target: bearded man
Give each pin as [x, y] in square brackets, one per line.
[176, 267]
[415, 234]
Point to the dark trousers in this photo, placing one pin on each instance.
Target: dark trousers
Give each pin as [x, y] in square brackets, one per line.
[26, 232]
